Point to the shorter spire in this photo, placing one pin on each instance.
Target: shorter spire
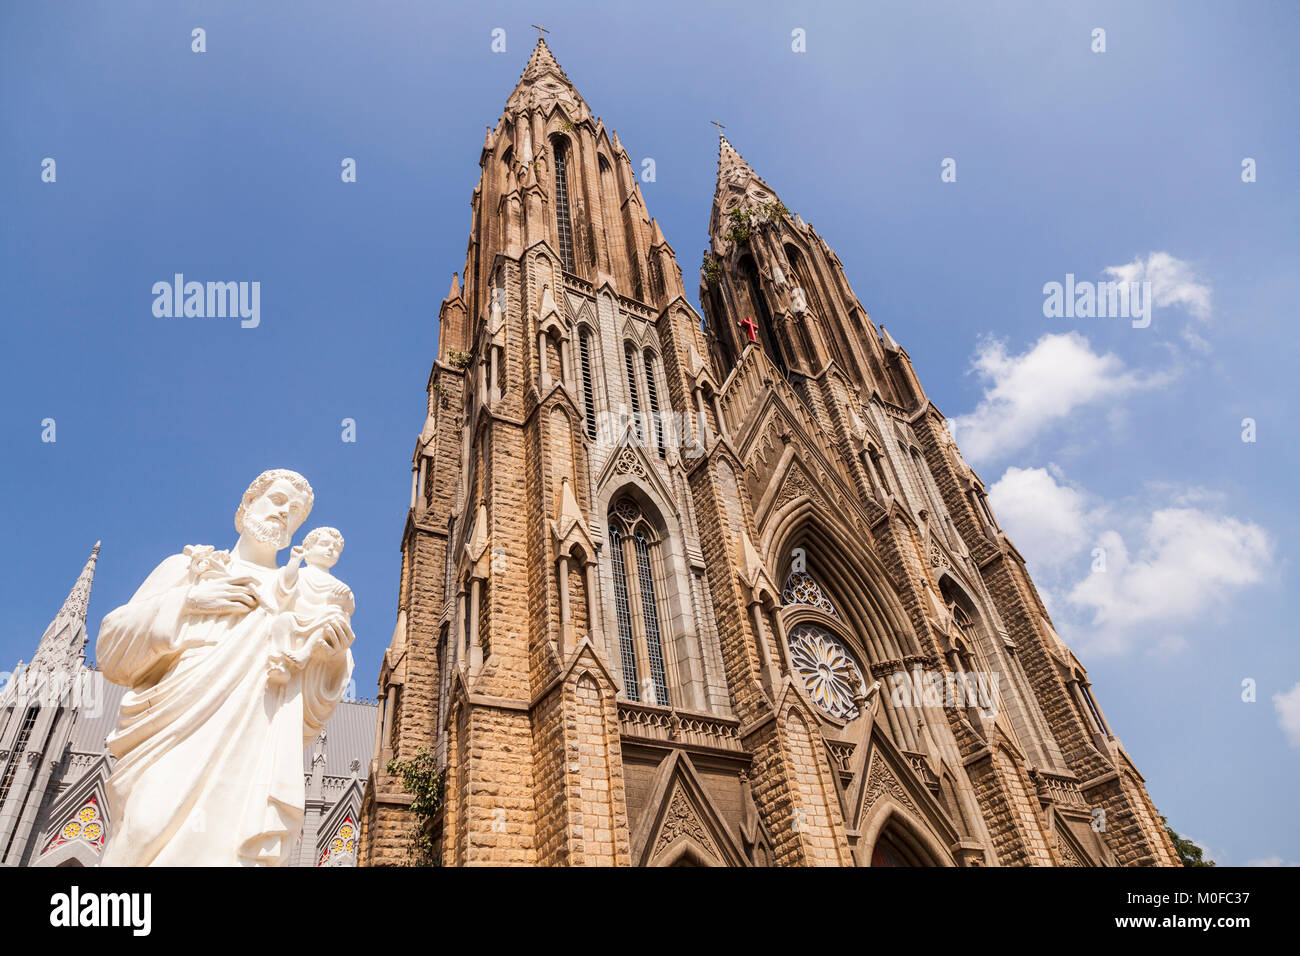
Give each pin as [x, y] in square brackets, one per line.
[64, 641]
[454, 291]
[732, 168]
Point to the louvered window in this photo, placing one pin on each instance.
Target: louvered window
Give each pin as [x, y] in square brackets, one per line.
[15, 755]
[588, 386]
[634, 393]
[652, 395]
[562, 222]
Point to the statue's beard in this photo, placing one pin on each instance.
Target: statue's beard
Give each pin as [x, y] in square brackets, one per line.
[266, 533]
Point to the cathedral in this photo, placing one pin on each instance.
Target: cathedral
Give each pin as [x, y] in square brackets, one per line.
[710, 591]
[54, 715]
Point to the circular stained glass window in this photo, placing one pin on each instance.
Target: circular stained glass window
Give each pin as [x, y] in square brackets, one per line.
[829, 673]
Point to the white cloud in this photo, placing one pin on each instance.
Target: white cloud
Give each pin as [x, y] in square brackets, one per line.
[1165, 569]
[1270, 861]
[1188, 561]
[1047, 519]
[1027, 392]
[1173, 282]
[1288, 713]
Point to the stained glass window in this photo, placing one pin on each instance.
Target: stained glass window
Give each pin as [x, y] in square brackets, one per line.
[343, 841]
[626, 645]
[654, 645]
[86, 824]
[640, 637]
[802, 588]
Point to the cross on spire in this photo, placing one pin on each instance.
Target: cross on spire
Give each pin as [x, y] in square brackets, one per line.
[540, 30]
[750, 325]
[718, 125]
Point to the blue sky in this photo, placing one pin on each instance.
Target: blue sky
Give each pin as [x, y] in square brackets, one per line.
[1090, 433]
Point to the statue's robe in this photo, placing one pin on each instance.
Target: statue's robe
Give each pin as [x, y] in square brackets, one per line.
[209, 754]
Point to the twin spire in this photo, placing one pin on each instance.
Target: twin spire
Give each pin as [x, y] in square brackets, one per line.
[64, 641]
[732, 168]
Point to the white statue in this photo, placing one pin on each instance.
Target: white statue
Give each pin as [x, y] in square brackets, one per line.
[234, 665]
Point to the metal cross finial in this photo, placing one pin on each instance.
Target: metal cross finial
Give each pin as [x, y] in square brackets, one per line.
[718, 125]
[540, 30]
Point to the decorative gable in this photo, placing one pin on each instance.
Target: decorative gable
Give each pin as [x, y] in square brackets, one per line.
[86, 824]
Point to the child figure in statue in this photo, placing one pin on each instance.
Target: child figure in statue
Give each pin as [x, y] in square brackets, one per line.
[307, 597]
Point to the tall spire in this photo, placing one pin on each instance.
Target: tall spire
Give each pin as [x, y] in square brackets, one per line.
[733, 170]
[544, 83]
[542, 61]
[64, 641]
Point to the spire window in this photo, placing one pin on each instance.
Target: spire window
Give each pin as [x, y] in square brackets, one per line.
[563, 223]
[652, 395]
[588, 386]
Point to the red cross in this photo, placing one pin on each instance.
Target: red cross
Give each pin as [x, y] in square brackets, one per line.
[750, 325]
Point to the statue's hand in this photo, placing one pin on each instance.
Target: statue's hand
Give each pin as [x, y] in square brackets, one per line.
[337, 634]
[222, 596]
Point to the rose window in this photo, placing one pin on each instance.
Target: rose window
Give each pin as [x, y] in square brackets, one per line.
[85, 824]
[828, 671]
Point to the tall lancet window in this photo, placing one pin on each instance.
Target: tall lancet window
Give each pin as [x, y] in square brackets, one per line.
[766, 331]
[563, 223]
[652, 396]
[633, 391]
[623, 607]
[16, 755]
[588, 386]
[633, 544]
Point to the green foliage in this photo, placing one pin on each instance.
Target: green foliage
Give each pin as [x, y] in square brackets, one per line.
[459, 359]
[710, 268]
[1188, 852]
[421, 777]
[568, 126]
[741, 219]
[744, 221]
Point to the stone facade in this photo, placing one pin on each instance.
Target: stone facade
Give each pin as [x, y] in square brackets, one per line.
[723, 592]
[54, 716]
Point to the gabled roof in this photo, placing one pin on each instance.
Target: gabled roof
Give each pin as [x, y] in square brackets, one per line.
[349, 736]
